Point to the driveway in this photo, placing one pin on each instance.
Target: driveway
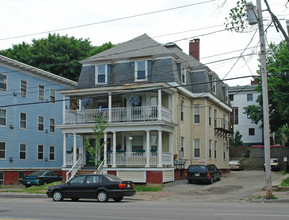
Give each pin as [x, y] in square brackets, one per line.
[234, 186]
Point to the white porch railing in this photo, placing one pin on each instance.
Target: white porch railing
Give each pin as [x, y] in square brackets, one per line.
[121, 114]
[70, 174]
[69, 158]
[138, 159]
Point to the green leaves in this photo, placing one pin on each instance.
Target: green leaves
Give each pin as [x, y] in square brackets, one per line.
[237, 17]
[56, 54]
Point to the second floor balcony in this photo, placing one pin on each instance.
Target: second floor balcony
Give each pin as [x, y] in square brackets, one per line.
[119, 114]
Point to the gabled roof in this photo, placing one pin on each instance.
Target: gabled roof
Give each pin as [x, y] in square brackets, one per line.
[142, 46]
[38, 72]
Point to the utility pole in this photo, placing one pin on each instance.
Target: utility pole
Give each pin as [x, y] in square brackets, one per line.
[266, 125]
[265, 102]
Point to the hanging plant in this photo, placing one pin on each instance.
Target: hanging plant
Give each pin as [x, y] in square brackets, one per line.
[134, 100]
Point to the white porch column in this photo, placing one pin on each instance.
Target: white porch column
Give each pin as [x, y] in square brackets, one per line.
[64, 151]
[160, 150]
[148, 150]
[63, 110]
[74, 148]
[105, 150]
[171, 147]
[114, 149]
[159, 104]
[109, 107]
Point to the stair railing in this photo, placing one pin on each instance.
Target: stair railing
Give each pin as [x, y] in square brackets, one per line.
[99, 169]
[71, 173]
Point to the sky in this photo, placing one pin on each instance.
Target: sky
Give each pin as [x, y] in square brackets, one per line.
[177, 21]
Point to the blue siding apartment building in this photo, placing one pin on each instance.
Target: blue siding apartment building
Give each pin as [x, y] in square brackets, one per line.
[30, 109]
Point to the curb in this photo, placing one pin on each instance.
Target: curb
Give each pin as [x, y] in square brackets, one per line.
[22, 195]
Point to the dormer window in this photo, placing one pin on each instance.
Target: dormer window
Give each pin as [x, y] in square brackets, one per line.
[183, 74]
[101, 74]
[141, 72]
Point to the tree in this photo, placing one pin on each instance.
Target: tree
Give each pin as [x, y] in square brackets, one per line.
[96, 150]
[278, 90]
[56, 54]
[236, 140]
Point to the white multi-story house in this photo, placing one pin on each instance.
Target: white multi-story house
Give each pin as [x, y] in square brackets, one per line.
[240, 97]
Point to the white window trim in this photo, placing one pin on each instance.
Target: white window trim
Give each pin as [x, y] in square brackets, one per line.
[51, 146]
[5, 117]
[50, 125]
[211, 149]
[136, 71]
[21, 121]
[42, 152]
[183, 73]
[194, 147]
[23, 151]
[194, 114]
[216, 150]
[5, 150]
[51, 91]
[40, 97]
[105, 74]
[23, 94]
[224, 151]
[182, 116]
[4, 82]
[38, 123]
[182, 147]
[214, 85]
[210, 116]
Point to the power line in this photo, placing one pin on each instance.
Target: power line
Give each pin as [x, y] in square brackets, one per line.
[111, 20]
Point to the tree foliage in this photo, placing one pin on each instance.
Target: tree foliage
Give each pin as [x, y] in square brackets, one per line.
[236, 140]
[278, 90]
[56, 54]
[96, 150]
[237, 17]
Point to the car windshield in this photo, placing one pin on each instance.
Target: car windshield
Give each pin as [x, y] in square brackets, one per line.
[112, 177]
[197, 169]
[36, 173]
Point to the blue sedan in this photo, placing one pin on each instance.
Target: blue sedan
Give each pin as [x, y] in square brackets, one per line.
[40, 178]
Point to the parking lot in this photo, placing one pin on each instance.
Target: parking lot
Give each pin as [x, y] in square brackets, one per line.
[234, 186]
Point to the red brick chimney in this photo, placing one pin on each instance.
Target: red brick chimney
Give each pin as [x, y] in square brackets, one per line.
[194, 48]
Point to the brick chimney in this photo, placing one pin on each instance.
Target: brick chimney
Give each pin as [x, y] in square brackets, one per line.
[194, 48]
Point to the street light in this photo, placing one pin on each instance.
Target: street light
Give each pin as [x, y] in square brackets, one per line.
[259, 20]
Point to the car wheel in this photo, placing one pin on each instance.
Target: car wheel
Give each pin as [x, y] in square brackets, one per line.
[118, 199]
[57, 196]
[27, 186]
[74, 199]
[190, 181]
[219, 178]
[102, 196]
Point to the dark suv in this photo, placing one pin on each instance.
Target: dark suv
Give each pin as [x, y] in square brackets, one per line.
[203, 173]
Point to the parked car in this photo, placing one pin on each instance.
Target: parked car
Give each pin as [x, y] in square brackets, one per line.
[92, 186]
[203, 173]
[236, 165]
[40, 177]
[275, 164]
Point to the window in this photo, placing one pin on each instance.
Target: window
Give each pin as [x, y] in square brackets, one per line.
[210, 149]
[2, 150]
[1, 178]
[23, 122]
[40, 152]
[183, 74]
[182, 147]
[231, 97]
[251, 131]
[224, 150]
[41, 93]
[137, 143]
[51, 153]
[3, 82]
[140, 70]
[100, 74]
[52, 125]
[23, 88]
[250, 97]
[3, 117]
[40, 123]
[210, 115]
[20, 176]
[234, 116]
[214, 85]
[197, 117]
[215, 118]
[197, 148]
[52, 95]
[215, 150]
[224, 121]
[182, 110]
[22, 152]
